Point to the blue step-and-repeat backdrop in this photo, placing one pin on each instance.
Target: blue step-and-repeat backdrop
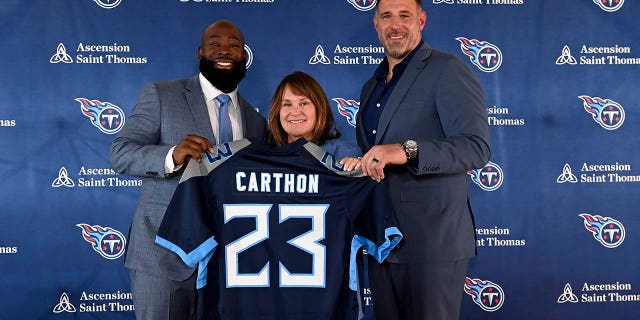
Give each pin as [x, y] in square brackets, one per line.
[556, 207]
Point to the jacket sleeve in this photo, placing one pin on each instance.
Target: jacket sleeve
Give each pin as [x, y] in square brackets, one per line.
[463, 117]
[135, 151]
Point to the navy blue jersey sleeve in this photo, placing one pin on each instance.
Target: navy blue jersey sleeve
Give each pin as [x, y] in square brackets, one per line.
[185, 229]
[375, 227]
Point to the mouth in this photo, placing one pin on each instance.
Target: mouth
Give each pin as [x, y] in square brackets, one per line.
[395, 37]
[224, 64]
[296, 121]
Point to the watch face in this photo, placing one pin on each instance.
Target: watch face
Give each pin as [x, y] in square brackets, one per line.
[411, 144]
[410, 149]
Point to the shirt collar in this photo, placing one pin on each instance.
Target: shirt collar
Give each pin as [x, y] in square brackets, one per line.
[210, 92]
[383, 68]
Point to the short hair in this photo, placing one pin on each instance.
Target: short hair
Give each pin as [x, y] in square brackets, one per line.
[418, 2]
[302, 84]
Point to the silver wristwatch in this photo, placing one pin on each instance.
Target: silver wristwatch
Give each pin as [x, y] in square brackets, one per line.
[410, 149]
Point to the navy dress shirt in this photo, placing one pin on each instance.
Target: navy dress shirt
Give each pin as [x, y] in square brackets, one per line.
[381, 93]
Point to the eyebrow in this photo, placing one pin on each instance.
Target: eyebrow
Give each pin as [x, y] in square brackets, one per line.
[232, 37]
[301, 99]
[401, 11]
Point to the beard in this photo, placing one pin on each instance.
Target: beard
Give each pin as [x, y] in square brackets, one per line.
[396, 50]
[398, 54]
[225, 80]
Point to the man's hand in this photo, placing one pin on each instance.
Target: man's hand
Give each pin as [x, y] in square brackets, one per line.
[192, 146]
[374, 161]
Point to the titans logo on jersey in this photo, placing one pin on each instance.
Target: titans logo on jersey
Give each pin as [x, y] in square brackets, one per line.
[275, 231]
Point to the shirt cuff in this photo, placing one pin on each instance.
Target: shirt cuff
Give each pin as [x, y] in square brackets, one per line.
[169, 167]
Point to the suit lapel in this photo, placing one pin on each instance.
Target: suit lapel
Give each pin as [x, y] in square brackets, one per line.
[418, 61]
[244, 108]
[198, 107]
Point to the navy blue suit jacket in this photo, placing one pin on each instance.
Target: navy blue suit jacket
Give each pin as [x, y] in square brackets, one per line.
[439, 103]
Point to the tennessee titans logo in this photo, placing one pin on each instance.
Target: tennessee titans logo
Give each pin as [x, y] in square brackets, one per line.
[486, 56]
[605, 112]
[108, 4]
[363, 5]
[609, 5]
[489, 178]
[105, 116]
[486, 294]
[348, 109]
[106, 241]
[609, 232]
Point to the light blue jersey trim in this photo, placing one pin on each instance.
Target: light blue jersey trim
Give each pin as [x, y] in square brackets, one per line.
[200, 256]
[392, 236]
[201, 281]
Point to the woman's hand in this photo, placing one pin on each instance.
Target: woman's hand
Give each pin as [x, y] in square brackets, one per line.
[349, 163]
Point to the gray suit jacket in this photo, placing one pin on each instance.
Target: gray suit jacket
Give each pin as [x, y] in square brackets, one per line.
[163, 115]
[439, 103]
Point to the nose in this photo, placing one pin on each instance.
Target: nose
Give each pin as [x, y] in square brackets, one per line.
[296, 109]
[224, 51]
[394, 22]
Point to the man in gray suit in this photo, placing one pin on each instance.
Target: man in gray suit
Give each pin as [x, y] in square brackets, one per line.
[422, 125]
[172, 122]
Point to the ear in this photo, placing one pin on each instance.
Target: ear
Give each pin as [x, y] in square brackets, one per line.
[375, 22]
[423, 19]
[200, 53]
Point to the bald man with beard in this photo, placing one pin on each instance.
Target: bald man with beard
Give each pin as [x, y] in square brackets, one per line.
[171, 123]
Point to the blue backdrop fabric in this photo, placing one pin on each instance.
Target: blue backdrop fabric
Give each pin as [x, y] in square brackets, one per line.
[555, 208]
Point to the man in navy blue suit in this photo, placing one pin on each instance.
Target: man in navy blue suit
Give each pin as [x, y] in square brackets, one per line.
[422, 126]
